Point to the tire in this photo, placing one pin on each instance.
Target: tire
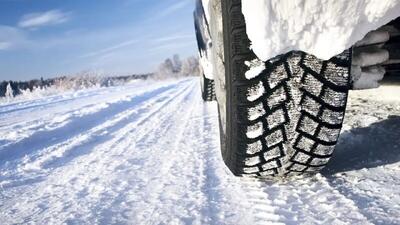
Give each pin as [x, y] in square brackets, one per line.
[207, 89]
[286, 120]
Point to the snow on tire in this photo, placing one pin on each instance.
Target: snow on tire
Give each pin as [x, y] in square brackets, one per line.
[284, 115]
[207, 89]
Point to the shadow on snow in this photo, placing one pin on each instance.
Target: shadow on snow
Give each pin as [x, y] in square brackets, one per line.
[368, 147]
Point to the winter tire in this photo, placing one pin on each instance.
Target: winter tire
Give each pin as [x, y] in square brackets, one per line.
[207, 89]
[284, 119]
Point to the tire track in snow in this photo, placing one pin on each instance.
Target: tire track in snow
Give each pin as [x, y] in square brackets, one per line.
[41, 103]
[176, 164]
[365, 166]
[83, 176]
[304, 200]
[39, 162]
[376, 197]
[154, 164]
[268, 202]
[159, 162]
[40, 139]
[69, 96]
[12, 120]
[224, 196]
[179, 190]
[31, 106]
[12, 129]
[133, 137]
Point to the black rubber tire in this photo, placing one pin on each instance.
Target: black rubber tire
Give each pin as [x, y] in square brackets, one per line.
[207, 89]
[298, 116]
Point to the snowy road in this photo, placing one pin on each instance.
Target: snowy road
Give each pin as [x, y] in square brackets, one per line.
[148, 153]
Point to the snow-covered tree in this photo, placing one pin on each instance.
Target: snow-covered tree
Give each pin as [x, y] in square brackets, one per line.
[9, 91]
[177, 63]
[190, 67]
[175, 67]
[165, 69]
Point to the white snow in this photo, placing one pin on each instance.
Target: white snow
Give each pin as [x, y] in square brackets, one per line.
[367, 77]
[368, 55]
[370, 58]
[255, 68]
[255, 92]
[206, 64]
[255, 130]
[323, 28]
[9, 92]
[374, 37]
[148, 153]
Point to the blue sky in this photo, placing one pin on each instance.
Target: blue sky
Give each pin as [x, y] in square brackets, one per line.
[49, 38]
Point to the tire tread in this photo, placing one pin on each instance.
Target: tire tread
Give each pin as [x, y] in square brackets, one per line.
[304, 138]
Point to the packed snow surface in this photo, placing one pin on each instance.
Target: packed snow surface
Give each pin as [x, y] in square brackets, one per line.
[148, 153]
[323, 28]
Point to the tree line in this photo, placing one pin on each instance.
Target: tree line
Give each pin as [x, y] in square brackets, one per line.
[84, 80]
[171, 68]
[18, 86]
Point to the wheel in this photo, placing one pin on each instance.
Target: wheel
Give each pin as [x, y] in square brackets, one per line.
[282, 117]
[207, 89]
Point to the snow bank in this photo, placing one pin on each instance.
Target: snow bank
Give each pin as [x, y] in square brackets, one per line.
[31, 95]
[323, 28]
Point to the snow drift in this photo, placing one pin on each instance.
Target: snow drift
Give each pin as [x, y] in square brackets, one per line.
[323, 28]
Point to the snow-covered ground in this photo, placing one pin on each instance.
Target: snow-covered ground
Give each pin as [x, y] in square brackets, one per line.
[148, 153]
